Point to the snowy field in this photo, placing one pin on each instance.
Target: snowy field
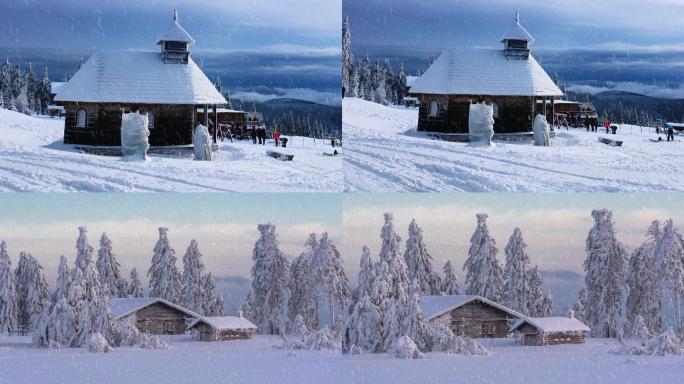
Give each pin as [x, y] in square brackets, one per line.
[257, 361]
[33, 158]
[385, 153]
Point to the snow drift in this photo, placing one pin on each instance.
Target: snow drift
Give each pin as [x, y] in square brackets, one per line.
[134, 136]
[481, 124]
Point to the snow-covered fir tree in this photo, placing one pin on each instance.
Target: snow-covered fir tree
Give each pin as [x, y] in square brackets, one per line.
[8, 292]
[670, 259]
[63, 286]
[643, 300]
[365, 277]
[135, 288]
[21, 278]
[212, 304]
[6, 85]
[483, 272]
[449, 282]
[419, 262]
[331, 281]
[347, 57]
[111, 281]
[302, 301]
[165, 280]
[605, 276]
[193, 294]
[538, 303]
[364, 327]
[515, 273]
[266, 304]
[45, 92]
[390, 286]
[85, 279]
[415, 326]
[37, 294]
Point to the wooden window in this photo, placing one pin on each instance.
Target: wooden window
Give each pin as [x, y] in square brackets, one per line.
[487, 329]
[150, 120]
[81, 118]
[433, 109]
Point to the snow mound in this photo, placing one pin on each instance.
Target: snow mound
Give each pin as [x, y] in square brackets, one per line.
[665, 344]
[541, 131]
[405, 348]
[98, 344]
[201, 142]
[134, 136]
[125, 334]
[443, 340]
[320, 339]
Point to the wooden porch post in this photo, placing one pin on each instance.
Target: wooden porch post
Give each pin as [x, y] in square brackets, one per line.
[215, 125]
[553, 112]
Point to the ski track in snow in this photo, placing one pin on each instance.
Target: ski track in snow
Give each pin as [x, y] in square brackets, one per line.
[33, 159]
[384, 153]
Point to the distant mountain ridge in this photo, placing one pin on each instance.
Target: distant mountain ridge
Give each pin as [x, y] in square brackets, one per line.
[658, 108]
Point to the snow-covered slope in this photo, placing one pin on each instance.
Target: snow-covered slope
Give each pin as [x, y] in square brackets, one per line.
[33, 158]
[256, 361]
[384, 153]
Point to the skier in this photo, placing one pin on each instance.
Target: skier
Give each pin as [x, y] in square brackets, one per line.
[276, 136]
[670, 133]
[606, 123]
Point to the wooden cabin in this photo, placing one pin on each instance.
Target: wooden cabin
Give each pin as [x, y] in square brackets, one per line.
[469, 315]
[222, 328]
[509, 79]
[152, 315]
[166, 85]
[550, 331]
[224, 116]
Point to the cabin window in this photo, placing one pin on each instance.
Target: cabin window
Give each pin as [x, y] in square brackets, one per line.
[433, 108]
[517, 44]
[150, 120]
[81, 116]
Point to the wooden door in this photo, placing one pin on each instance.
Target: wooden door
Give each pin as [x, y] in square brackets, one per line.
[487, 329]
[168, 328]
[530, 340]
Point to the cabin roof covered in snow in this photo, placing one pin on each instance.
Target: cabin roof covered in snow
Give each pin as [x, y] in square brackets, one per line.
[224, 322]
[433, 306]
[139, 77]
[517, 32]
[553, 324]
[175, 32]
[122, 307]
[222, 110]
[410, 80]
[55, 86]
[486, 72]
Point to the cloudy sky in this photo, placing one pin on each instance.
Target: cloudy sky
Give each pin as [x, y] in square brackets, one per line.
[554, 226]
[594, 46]
[264, 25]
[225, 225]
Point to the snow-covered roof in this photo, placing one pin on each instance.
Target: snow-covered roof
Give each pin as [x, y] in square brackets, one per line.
[122, 307]
[553, 324]
[557, 101]
[485, 72]
[139, 77]
[517, 32]
[175, 32]
[221, 110]
[224, 322]
[55, 86]
[433, 306]
[410, 80]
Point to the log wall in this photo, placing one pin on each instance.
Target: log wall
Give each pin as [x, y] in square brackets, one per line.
[173, 124]
[204, 332]
[477, 319]
[159, 319]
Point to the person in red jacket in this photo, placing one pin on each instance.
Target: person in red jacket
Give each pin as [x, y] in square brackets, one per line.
[276, 136]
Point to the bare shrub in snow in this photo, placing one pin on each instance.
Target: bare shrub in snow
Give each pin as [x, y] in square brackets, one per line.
[404, 348]
[98, 344]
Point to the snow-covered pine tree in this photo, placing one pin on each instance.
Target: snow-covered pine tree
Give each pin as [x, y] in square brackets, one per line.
[63, 287]
[347, 57]
[85, 279]
[6, 84]
[415, 326]
[390, 288]
[213, 299]
[193, 294]
[538, 302]
[302, 286]
[111, 281]
[605, 276]
[365, 278]
[8, 292]
[515, 273]
[31, 85]
[449, 283]
[332, 282]
[37, 294]
[670, 259]
[45, 92]
[135, 288]
[643, 300]
[483, 272]
[21, 278]
[163, 274]
[267, 301]
[364, 326]
[419, 262]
